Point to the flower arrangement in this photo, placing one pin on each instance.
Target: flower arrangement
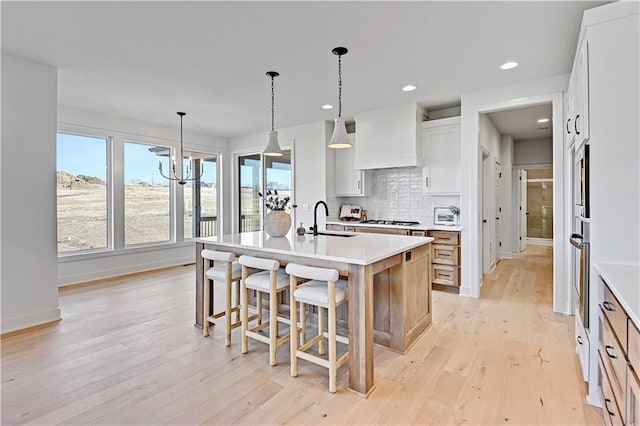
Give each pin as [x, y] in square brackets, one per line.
[275, 202]
[455, 210]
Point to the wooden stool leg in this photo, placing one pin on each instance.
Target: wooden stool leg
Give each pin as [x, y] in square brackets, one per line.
[293, 339]
[227, 314]
[321, 350]
[303, 323]
[245, 312]
[273, 327]
[237, 305]
[333, 373]
[259, 306]
[207, 305]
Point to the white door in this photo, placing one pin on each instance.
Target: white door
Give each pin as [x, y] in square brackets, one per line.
[523, 209]
[485, 187]
[497, 188]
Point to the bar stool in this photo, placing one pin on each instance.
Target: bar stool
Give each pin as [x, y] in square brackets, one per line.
[229, 272]
[272, 281]
[326, 292]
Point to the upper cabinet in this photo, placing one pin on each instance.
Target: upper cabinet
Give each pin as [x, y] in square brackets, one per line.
[349, 180]
[389, 137]
[577, 108]
[441, 150]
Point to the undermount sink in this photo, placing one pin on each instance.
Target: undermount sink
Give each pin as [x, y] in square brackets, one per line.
[331, 234]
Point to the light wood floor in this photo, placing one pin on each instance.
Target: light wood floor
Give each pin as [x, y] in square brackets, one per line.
[127, 352]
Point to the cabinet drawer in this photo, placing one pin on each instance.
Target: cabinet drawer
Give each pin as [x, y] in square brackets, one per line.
[445, 274]
[390, 231]
[616, 316]
[610, 410]
[633, 398]
[634, 347]
[582, 346]
[419, 233]
[613, 359]
[445, 254]
[444, 237]
[334, 227]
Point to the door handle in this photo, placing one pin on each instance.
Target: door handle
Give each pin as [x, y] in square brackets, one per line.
[568, 130]
[497, 218]
[484, 220]
[575, 124]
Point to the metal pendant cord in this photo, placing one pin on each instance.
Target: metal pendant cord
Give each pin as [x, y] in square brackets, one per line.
[339, 85]
[273, 104]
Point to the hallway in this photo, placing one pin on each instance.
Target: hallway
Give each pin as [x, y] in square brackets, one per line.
[126, 352]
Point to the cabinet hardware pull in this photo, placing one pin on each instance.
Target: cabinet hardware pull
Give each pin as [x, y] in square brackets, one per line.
[358, 184]
[606, 349]
[579, 338]
[606, 406]
[575, 124]
[426, 181]
[608, 306]
[568, 130]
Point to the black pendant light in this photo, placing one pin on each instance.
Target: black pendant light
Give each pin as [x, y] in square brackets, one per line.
[339, 138]
[184, 177]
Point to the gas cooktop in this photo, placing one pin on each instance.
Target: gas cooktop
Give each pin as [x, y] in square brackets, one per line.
[391, 222]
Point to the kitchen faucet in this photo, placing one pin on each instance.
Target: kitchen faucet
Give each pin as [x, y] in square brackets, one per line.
[315, 215]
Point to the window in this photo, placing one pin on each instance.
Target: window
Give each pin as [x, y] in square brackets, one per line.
[147, 195]
[277, 177]
[205, 194]
[82, 193]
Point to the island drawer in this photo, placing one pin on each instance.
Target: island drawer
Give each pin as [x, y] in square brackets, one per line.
[445, 274]
[445, 254]
[444, 237]
[610, 410]
[613, 358]
[616, 315]
[633, 398]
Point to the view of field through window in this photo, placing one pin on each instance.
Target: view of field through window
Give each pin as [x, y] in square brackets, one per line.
[83, 187]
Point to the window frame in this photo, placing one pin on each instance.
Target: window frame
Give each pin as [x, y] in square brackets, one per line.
[109, 142]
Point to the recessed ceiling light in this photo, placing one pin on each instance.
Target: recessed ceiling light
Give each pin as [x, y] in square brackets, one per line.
[409, 88]
[508, 65]
[543, 120]
[327, 106]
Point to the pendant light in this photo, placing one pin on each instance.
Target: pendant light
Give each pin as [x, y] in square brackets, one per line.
[182, 179]
[273, 147]
[339, 138]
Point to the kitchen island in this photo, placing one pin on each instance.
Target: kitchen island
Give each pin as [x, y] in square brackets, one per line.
[389, 285]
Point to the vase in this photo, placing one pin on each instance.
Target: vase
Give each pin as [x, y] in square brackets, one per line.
[277, 223]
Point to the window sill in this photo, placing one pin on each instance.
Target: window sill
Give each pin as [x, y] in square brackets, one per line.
[73, 257]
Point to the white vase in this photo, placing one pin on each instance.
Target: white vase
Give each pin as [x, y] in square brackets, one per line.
[277, 223]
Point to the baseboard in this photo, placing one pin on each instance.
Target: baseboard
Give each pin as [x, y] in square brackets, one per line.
[125, 270]
[540, 242]
[506, 255]
[465, 291]
[31, 320]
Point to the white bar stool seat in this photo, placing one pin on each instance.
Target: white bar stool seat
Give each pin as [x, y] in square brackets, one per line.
[272, 281]
[326, 292]
[229, 272]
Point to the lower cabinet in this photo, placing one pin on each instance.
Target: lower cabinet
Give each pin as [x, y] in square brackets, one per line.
[445, 260]
[618, 357]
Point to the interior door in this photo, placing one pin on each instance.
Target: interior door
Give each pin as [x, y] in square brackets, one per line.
[497, 187]
[523, 209]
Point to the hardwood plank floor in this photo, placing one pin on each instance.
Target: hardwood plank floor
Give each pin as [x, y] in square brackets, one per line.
[126, 352]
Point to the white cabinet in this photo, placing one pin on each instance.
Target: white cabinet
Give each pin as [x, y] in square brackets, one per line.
[577, 108]
[350, 181]
[441, 150]
[389, 137]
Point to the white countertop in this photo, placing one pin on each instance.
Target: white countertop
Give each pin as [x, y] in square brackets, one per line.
[361, 249]
[420, 227]
[624, 281]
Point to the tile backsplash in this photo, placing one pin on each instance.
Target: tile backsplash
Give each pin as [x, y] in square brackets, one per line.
[397, 195]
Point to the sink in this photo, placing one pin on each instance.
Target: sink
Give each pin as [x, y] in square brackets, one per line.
[331, 234]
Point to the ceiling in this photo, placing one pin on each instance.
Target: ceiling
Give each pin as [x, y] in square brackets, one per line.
[146, 60]
[522, 123]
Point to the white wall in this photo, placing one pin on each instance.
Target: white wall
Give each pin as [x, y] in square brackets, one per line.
[28, 193]
[509, 209]
[494, 99]
[531, 152]
[121, 260]
[310, 151]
